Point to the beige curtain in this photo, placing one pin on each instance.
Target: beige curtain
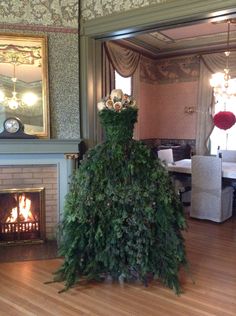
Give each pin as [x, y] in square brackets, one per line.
[123, 60]
[209, 64]
[216, 62]
[204, 113]
[108, 73]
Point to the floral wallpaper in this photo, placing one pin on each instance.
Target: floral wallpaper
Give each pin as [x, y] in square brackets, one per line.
[170, 70]
[60, 13]
[64, 85]
[91, 9]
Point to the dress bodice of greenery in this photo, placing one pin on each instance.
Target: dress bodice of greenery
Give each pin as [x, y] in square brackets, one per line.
[118, 126]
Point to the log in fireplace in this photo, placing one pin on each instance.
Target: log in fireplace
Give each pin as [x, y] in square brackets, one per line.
[22, 215]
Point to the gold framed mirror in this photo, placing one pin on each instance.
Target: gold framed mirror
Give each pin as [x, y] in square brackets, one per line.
[24, 82]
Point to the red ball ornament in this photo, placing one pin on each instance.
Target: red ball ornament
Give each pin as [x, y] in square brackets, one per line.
[224, 119]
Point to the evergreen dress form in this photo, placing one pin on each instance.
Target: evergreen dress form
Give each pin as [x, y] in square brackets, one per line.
[122, 217]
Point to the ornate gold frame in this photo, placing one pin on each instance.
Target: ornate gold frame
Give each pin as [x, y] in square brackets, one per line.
[23, 45]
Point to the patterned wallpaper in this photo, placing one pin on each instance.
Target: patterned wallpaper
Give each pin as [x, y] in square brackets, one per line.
[64, 85]
[59, 13]
[91, 9]
[170, 70]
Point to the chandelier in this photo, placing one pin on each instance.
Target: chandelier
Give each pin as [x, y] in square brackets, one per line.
[14, 101]
[224, 87]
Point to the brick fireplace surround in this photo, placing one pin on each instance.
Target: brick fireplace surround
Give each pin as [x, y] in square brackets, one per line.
[40, 163]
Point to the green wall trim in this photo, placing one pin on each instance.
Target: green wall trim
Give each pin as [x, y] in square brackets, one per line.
[90, 89]
[172, 12]
[40, 146]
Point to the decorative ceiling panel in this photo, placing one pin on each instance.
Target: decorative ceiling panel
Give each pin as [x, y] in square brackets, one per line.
[196, 38]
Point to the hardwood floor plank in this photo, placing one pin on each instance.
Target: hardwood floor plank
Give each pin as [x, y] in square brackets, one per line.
[211, 250]
[44, 300]
[8, 307]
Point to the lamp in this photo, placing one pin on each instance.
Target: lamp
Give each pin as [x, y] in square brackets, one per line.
[224, 86]
[14, 102]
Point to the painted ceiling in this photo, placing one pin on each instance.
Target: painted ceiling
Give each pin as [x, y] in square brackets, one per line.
[204, 37]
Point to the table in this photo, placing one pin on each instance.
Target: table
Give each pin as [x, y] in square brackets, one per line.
[184, 166]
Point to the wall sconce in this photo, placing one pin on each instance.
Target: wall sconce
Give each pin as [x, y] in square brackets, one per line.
[190, 109]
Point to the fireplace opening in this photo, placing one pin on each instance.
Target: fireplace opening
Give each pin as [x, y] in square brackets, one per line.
[22, 215]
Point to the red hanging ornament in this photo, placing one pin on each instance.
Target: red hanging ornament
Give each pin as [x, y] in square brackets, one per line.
[224, 119]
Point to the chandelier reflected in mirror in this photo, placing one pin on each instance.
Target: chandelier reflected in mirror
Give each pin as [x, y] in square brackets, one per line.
[224, 87]
[14, 100]
[11, 58]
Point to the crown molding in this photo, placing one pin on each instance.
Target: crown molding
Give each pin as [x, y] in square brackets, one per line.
[172, 12]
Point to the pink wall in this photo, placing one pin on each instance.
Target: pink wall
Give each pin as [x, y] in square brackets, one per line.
[161, 110]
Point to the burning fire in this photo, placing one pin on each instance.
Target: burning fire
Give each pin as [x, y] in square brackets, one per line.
[25, 213]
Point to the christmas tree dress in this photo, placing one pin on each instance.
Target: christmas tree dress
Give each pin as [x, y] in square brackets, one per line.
[122, 217]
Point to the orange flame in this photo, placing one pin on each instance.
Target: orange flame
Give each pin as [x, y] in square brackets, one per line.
[25, 213]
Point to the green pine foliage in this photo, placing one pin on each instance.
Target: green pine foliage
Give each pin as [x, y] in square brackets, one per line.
[122, 217]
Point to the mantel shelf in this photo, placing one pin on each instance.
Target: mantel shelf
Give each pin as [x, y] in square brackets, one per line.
[39, 146]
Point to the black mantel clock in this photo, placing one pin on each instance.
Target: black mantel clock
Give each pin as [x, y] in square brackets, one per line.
[14, 128]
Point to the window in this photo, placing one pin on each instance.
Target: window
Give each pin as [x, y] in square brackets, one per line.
[224, 139]
[125, 84]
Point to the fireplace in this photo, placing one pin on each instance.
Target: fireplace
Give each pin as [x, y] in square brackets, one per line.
[35, 163]
[22, 215]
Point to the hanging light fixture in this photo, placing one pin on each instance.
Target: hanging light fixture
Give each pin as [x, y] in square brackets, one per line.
[14, 102]
[224, 86]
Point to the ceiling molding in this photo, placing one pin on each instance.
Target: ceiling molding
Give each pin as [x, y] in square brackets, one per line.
[142, 47]
[202, 43]
[160, 16]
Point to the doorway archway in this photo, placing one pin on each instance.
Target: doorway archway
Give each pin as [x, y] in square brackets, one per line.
[160, 16]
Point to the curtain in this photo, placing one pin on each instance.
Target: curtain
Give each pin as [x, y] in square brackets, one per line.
[217, 62]
[209, 64]
[108, 73]
[120, 59]
[123, 60]
[204, 114]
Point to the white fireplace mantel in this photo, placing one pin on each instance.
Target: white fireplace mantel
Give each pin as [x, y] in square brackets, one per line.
[62, 153]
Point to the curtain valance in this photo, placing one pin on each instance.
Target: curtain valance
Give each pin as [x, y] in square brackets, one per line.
[216, 62]
[124, 60]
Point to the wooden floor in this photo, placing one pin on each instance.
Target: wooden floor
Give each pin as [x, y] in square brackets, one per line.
[46, 250]
[211, 250]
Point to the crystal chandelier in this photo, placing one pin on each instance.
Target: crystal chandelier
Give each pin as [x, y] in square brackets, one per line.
[224, 86]
[14, 101]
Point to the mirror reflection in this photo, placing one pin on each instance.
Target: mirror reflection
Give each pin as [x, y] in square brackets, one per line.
[23, 82]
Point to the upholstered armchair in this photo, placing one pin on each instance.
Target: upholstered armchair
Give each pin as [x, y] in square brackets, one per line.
[209, 199]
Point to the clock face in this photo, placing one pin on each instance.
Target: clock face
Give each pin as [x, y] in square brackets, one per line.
[12, 125]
